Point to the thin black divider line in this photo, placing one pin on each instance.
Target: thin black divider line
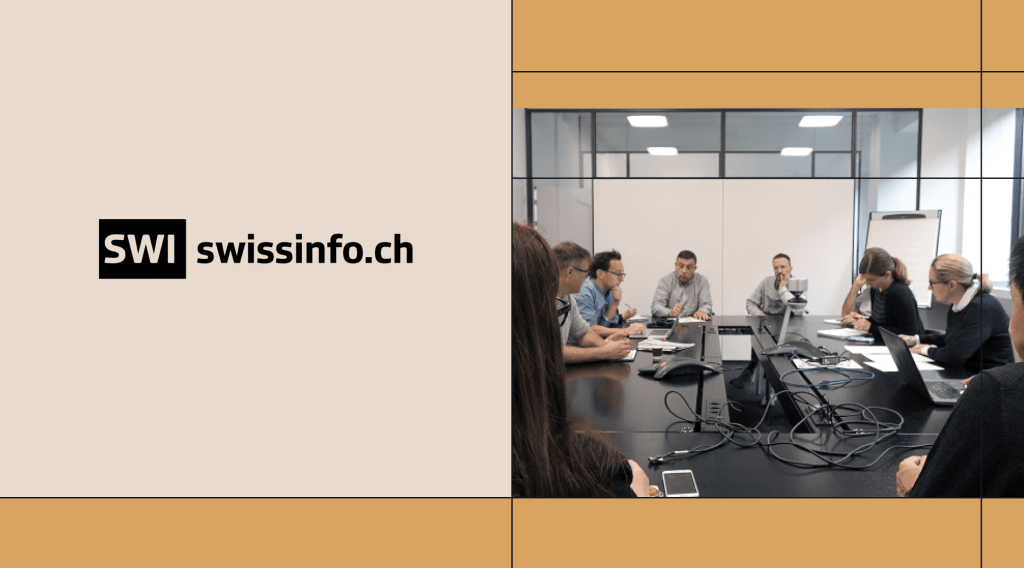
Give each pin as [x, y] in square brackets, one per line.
[688, 71]
[981, 252]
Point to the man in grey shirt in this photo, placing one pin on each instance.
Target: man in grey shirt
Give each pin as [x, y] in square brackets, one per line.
[771, 295]
[582, 342]
[683, 292]
[769, 298]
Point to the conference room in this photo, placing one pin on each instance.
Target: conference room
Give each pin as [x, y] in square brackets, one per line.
[737, 188]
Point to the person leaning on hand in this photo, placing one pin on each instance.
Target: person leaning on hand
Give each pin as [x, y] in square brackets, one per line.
[769, 298]
[683, 292]
[893, 306]
[977, 327]
[552, 455]
[582, 342]
[600, 294]
[980, 450]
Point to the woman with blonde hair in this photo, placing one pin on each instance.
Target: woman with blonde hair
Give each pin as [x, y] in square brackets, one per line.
[977, 327]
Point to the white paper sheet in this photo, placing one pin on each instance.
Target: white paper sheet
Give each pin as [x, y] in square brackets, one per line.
[878, 361]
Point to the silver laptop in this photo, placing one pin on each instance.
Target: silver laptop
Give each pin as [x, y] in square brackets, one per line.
[939, 392]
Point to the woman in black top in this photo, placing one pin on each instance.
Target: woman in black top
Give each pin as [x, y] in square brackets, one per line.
[977, 327]
[893, 306]
[551, 457]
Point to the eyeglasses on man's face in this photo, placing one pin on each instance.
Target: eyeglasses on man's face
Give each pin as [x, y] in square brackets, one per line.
[621, 275]
[562, 307]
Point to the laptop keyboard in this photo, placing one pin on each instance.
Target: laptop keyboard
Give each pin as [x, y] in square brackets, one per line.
[942, 390]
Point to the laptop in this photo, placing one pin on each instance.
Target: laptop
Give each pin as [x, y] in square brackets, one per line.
[939, 392]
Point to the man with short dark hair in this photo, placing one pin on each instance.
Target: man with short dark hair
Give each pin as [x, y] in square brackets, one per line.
[990, 411]
[771, 295]
[599, 296]
[769, 298]
[582, 342]
[683, 293]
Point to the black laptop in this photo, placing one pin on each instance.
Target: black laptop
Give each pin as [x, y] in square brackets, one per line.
[939, 392]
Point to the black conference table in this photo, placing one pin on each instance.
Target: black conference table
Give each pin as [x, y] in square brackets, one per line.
[629, 409]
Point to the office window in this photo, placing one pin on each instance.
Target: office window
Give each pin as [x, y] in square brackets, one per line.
[999, 129]
[696, 136]
[558, 143]
[767, 165]
[563, 210]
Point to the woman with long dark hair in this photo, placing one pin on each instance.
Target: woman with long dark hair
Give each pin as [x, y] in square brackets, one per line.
[551, 457]
[977, 327]
[893, 306]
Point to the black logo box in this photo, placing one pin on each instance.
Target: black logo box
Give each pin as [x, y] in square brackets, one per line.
[145, 268]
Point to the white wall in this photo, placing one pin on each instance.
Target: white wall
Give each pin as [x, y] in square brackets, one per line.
[649, 221]
[734, 227]
[810, 220]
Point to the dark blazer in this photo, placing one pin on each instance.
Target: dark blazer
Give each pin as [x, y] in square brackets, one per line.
[978, 452]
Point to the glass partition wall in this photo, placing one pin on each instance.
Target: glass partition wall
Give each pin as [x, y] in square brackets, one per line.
[568, 149]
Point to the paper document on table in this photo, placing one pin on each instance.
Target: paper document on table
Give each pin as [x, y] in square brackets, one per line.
[887, 364]
[874, 351]
[842, 333]
[689, 320]
[637, 318]
[651, 343]
[834, 322]
[884, 366]
[630, 357]
[846, 364]
[868, 350]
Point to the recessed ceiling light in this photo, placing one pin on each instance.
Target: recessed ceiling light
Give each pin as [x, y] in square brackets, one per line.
[797, 151]
[647, 121]
[819, 120]
[662, 151]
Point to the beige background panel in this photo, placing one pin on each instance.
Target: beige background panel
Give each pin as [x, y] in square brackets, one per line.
[255, 380]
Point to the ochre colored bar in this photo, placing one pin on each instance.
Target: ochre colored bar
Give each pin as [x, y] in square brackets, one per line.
[255, 532]
[1001, 42]
[838, 533]
[1003, 90]
[746, 90]
[1001, 532]
[749, 35]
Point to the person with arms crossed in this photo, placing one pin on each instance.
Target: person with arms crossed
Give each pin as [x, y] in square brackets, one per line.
[599, 296]
[683, 292]
[769, 298]
[977, 327]
[980, 450]
[552, 455]
[893, 306]
[582, 342]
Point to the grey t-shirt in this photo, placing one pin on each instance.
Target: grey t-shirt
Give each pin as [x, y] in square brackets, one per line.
[769, 299]
[575, 327]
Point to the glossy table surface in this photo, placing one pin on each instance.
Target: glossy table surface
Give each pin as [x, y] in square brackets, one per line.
[629, 409]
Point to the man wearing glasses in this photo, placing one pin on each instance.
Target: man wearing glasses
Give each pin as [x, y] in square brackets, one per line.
[582, 342]
[683, 293]
[599, 296]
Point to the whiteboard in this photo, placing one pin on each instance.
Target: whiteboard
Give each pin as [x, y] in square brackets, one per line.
[912, 237]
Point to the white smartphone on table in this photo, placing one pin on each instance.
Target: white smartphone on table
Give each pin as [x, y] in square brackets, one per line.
[679, 483]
